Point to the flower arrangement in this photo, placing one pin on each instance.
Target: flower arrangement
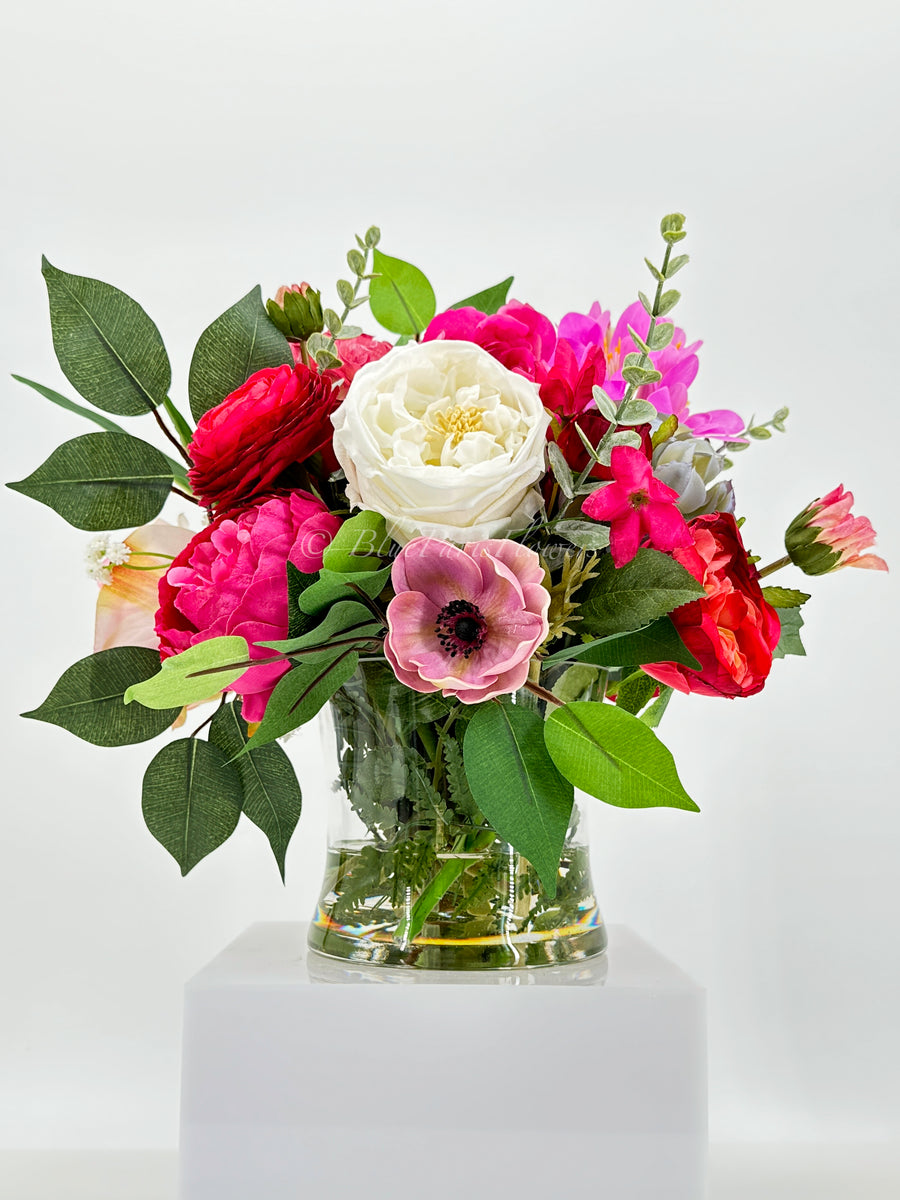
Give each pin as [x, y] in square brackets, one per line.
[505, 541]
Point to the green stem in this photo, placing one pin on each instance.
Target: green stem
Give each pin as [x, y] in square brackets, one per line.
[167, 432]
[348, 308]
[645, 357]
[775, 566]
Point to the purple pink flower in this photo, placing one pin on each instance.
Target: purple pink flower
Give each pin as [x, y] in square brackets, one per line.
[827, 536]
[465, 622]
[230, 579]
[640, 508]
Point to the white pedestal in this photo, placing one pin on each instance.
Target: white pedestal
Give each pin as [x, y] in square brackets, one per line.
[585, 1080]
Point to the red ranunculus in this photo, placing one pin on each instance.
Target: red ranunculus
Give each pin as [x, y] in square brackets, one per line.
[279, 417]
[732, 631]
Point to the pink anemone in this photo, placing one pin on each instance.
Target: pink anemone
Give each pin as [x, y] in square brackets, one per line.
[465, 622]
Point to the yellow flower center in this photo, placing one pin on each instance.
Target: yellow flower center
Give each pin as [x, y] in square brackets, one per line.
[459, 420]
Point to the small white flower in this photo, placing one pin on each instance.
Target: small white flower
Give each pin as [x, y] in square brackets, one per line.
[444, 442]
[102, 554]
[689, 464]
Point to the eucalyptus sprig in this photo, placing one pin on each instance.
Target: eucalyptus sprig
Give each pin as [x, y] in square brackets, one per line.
[322, 347]
[759, 431]
[638, 369]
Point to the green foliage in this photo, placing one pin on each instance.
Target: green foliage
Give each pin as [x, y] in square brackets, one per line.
[789, 642]
[107, 346]
[343, 620]
[586, 535]
[460, 793]
[360, 544]
[654, 714]
[614, 756]
[575, 682]
[622, 599]
[780, 597]
[635, 691]
[191, 800]
[300, 693]
[88, 699]
[271, 793]
[195, 674]
[102, 481]
[516, 785]
[488, 301]
[299, 316]
[298, 581]
[339, 585]
[657, 642]
[401, 298]
[240, 342]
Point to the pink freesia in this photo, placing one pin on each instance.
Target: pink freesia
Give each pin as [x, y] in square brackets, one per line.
[128, 599]
[678, 364]
[638, 506]
[465, 622]
[231, 579]
[827, 536]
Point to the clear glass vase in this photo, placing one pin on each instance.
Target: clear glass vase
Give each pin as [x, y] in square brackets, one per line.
[414, 875]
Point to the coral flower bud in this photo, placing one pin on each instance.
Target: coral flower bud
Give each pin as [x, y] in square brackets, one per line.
[827, 536]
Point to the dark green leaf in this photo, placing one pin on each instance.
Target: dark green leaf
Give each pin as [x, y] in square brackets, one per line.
[649, 586]
[298, 581]
[345, 619]
[191, 800]
[300, 693]
[236, 345]
[102, 481]
[654, 714]
[108, 348]
[789, 642]
[780, 597]
[488, 301]
[88, 699]
[635, 691]
[657, 642]
[614, 756]
[272, 798]
[517, 787]
[400, 297]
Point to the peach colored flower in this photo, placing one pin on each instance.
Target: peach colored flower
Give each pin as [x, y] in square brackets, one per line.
[129, 592]
[826, 536]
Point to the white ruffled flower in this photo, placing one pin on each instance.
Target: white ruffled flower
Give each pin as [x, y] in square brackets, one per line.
[688, 465]
[102, 554]
[444, 442]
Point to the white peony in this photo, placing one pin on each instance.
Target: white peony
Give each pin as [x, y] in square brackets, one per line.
[444, 442]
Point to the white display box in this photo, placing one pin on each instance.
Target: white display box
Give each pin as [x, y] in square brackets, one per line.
[308, 1077]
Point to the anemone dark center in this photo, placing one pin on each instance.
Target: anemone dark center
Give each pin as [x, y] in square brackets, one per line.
[460, 628]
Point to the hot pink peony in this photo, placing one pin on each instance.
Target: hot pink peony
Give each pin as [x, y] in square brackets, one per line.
[517, 335]
[465, 622]
[231, 579]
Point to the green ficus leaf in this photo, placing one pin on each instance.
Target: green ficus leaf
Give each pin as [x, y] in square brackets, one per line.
[657, 642]
[109, 349]
[240, 342]
[88, 699]
[516, 785]
[635, 692]
[614, 756]
[649, 586]
[488, 301]
[271, 793]
[789, 642]
[182, 679]
[300, 693]
[191, 800]
[345, 619]
[102, 481]
[400, 297]
[332, 586]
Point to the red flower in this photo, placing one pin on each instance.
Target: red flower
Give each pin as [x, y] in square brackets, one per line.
[732, 631]
[280, 416]
[639, 508]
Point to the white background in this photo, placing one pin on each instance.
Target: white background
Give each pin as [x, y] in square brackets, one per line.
[186, 152]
